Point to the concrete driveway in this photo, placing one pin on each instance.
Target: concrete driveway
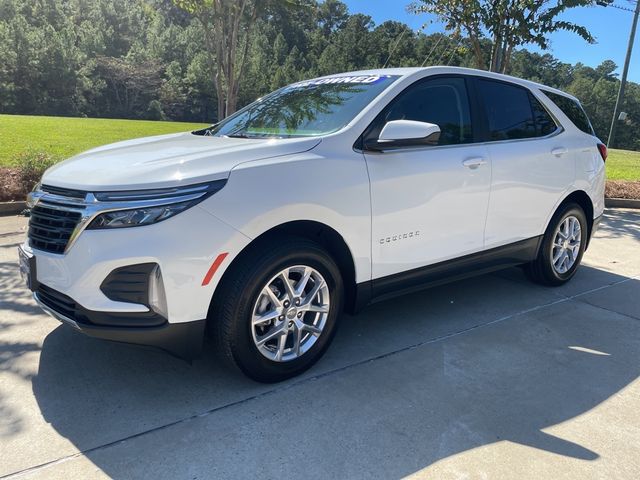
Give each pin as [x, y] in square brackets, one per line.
[491, 377]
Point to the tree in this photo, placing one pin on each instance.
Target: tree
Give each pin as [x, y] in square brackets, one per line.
[331, 16]
[151, 59]
[227, 32]
[457, 15]
[508, 23]
[132, 83]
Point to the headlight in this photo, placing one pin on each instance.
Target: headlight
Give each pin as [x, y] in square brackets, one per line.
[137, 217]
[145, 207]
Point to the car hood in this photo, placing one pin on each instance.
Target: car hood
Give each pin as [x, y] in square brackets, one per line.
[166, 161]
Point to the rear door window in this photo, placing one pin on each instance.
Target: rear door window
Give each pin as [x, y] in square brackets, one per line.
[513, 112]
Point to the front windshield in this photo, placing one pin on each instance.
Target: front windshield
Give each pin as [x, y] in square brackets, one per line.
[310, 108]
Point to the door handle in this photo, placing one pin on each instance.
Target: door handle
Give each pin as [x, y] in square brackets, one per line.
[559, 151]
[474, 163]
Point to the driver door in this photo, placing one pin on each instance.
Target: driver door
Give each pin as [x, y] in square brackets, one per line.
[429, 203]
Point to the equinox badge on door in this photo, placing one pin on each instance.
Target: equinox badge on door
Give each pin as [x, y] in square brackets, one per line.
[401, 236]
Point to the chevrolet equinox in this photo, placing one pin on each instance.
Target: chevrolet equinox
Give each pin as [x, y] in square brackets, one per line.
[321, 197]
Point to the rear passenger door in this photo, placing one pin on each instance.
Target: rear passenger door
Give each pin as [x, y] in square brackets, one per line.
[532, 166]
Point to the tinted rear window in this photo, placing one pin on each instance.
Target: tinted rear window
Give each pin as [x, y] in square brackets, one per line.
[513, 112]
[573, 110]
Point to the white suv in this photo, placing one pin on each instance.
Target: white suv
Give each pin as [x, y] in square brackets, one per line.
[325, 195]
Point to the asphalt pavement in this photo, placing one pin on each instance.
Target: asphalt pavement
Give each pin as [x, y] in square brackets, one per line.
[491, 377]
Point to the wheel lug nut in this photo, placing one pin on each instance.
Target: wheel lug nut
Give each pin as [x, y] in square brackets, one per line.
[281, 317]
[286, 304]
[298, 302]
[299, 314]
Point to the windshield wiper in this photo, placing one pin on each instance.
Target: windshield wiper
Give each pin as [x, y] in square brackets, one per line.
[242, 135]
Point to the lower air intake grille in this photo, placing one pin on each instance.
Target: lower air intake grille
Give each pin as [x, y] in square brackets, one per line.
[57, 301]
[67, 306]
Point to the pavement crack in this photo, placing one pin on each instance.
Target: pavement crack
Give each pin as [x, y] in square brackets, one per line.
[600, 307]
[10, 234]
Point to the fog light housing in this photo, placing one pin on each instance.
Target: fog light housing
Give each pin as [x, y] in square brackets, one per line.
[141, 283]
[157, 297]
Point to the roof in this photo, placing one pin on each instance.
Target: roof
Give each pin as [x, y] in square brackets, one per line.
[409, 71]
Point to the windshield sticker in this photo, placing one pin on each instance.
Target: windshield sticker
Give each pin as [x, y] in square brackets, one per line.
[364, 79]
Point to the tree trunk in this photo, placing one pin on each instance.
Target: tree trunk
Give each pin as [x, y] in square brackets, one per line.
[499, 36]
[234, 71]
[478, 54]
[506, 48]
[213, 52]
[223, 22]
[219, 34]
[221, 114]
[507, 59]
[477, 50]
[235, 91]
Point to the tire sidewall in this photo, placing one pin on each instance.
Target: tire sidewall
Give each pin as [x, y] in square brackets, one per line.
[246, 353]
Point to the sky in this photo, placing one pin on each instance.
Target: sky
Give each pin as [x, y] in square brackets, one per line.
[611, 27]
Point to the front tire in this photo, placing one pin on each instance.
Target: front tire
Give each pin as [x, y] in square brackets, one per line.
[275, 313]
[562, 247]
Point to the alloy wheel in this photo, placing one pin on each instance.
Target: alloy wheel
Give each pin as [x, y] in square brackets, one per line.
[290, 313]
[566, 244]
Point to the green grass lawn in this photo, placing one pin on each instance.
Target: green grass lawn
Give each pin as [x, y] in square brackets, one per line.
[63, 137]
[623, 165]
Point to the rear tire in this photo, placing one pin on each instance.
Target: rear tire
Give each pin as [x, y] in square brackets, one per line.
[562, 247]
[269, 330]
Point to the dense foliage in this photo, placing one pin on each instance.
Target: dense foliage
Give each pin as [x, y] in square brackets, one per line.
[508, 23]
[147, 59]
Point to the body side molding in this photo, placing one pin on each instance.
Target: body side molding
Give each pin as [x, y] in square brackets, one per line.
[448, 271]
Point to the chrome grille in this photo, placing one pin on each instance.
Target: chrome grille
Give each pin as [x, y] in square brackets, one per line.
[51, 227]
[59, 215]
[63, 192]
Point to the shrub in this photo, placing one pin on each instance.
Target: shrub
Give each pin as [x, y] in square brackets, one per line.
[31, 166]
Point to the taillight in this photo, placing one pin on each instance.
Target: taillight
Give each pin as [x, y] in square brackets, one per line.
[602, 148]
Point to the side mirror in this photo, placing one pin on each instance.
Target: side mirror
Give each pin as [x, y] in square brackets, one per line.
[406, 133]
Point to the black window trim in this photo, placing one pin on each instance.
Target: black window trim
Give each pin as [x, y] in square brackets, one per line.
[478, 113]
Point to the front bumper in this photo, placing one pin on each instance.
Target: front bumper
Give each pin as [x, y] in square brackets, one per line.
[183, 340]
[183, 247]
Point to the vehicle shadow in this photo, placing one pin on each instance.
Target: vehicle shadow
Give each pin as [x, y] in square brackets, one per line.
[618, 223]
[418, 403]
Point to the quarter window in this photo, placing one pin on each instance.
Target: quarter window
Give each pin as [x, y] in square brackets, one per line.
[545, 125]
[573, 110]
[443, 101]
[513, 112]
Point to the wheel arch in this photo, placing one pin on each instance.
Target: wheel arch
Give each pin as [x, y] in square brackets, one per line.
[318, 232]
[581, 198]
